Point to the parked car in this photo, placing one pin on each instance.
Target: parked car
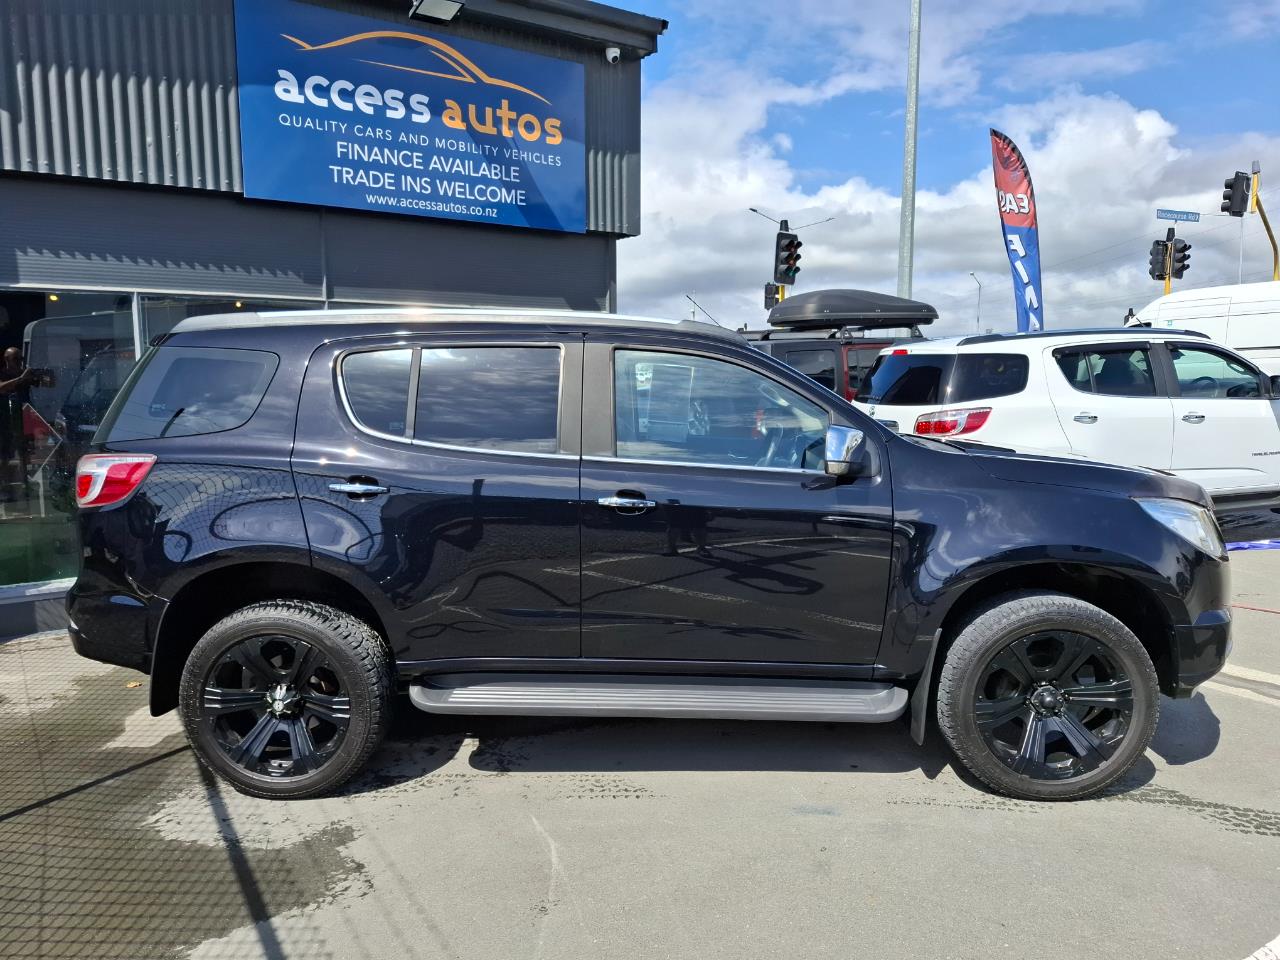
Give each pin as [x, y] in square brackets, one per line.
[287, 519]
[1243, 316]
[834, 336]
[1163, 399]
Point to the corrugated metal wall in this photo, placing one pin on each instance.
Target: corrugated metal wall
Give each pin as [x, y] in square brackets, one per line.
[144, 91]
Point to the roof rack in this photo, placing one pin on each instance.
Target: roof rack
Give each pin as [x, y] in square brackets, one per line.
[857, 309]
[1130, 333]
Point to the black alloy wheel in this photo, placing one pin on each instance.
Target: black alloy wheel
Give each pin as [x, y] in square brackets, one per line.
[287, 698]
[1046, 697]
[275, 706]
[1054, 705]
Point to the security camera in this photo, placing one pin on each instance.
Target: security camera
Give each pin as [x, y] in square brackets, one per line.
[612, 54]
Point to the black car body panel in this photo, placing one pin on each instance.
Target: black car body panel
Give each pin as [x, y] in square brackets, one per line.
[481, 559]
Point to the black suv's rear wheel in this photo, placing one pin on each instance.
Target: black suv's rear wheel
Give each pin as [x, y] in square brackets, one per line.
[1046, 697]
[286, 699]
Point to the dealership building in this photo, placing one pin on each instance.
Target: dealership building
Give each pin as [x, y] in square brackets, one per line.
[161, 159]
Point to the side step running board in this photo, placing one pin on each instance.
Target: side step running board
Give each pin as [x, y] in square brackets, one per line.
[729, 698]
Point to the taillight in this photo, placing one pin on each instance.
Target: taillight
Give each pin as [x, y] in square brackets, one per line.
[952, 423]
[106, 478]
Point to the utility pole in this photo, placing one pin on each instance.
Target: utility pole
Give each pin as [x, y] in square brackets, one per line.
[907, 228]
[977, 321]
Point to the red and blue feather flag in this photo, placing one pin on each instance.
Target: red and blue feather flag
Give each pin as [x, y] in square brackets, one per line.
[1016, 201]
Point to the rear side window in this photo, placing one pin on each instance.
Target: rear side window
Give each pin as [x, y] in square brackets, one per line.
[1123, 372]
[377, 387]
[906, 378]
[984, 376]
[186, 391]
[819, 365]
[492, 398]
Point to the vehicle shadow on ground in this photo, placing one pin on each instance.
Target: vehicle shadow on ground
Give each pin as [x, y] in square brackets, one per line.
[420, 744]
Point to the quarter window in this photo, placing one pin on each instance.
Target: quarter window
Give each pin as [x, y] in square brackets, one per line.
[688, 409]
[1208, 374]
[1124, 372]
[377, 387]
[492, 398]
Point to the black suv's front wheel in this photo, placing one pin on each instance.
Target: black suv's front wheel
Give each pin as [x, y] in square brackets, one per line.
[1045, 697]
[286, 699]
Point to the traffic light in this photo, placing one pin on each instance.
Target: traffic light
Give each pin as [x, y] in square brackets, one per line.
[1235, 194]
[1181, 258]
[1159, 260]
[770, 296]
[786, 258]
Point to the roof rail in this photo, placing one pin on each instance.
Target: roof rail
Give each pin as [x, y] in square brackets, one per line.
[1125, 332]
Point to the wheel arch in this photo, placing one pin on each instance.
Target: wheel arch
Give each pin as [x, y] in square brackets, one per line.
[1124, 596]
[207, 598]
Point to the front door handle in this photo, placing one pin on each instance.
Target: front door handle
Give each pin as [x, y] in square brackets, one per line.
[1085, 418]
[357, 490]
[627, 505]
[1193, 418]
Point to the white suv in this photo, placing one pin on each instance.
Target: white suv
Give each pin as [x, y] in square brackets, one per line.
[1165, 399]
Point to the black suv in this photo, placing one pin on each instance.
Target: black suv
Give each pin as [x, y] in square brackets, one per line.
[290, 518]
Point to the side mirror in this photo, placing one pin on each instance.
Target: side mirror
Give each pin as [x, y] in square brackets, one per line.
[1275, 386]
[843, 451]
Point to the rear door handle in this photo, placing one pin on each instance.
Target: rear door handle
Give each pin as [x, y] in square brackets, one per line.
[1085, 418]
[1193, 418]
[627, 504]
[359, 489]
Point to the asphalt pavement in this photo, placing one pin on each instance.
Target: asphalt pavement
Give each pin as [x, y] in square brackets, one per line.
[527, 838]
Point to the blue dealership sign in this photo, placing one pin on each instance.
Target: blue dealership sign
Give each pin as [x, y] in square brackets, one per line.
[348, 111]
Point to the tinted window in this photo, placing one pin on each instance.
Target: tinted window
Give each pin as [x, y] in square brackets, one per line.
[493, 398]
[688, 409]
[982, 376]
[184, 391]
[819, 365]
[377, 388]
[859, 360]
[1125, 372]
[906, 378]
[1207, 373]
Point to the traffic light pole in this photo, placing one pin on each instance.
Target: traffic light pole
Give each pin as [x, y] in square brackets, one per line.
[1256, 197]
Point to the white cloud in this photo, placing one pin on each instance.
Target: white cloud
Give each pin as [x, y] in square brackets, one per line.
[1063, 66]
[1101, 166]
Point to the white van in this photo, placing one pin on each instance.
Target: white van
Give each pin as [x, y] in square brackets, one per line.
[1243, 316]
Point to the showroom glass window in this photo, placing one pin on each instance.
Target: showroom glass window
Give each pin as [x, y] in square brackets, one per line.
[76, 350]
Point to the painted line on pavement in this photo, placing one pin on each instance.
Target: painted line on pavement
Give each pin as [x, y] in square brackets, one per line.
[1248, 673]
[1245, 606]
[1270, 952]
[1241, 692]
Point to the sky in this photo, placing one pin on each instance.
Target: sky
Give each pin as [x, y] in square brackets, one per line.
[796, 108]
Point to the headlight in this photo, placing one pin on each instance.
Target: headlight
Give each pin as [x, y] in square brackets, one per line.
[1190, 521]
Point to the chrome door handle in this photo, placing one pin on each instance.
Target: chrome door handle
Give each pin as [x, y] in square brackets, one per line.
[358, 489]
[1085, 418]
[1193, 418]
[626, 503]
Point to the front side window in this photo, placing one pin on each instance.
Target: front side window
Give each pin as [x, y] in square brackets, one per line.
[689, 409]
[492, 398]
[819, 365]
[1208, 374]
[1122, 372]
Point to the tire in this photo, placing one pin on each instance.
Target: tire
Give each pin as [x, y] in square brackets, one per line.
[287, 699]
[1045, 697]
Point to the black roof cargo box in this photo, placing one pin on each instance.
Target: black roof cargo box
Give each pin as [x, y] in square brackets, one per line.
[825, 309]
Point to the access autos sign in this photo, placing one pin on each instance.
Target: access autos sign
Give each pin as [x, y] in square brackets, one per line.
[348, 111]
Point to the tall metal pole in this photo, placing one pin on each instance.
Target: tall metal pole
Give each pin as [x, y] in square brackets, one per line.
[907, 228]
[977, 322]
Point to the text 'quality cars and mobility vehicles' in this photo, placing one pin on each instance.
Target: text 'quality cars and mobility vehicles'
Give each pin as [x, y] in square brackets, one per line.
[289, 519]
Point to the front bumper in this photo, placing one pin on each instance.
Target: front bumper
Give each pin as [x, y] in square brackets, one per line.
[1201, 648]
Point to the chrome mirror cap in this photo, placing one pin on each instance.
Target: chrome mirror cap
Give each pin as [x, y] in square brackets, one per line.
[842, 447]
